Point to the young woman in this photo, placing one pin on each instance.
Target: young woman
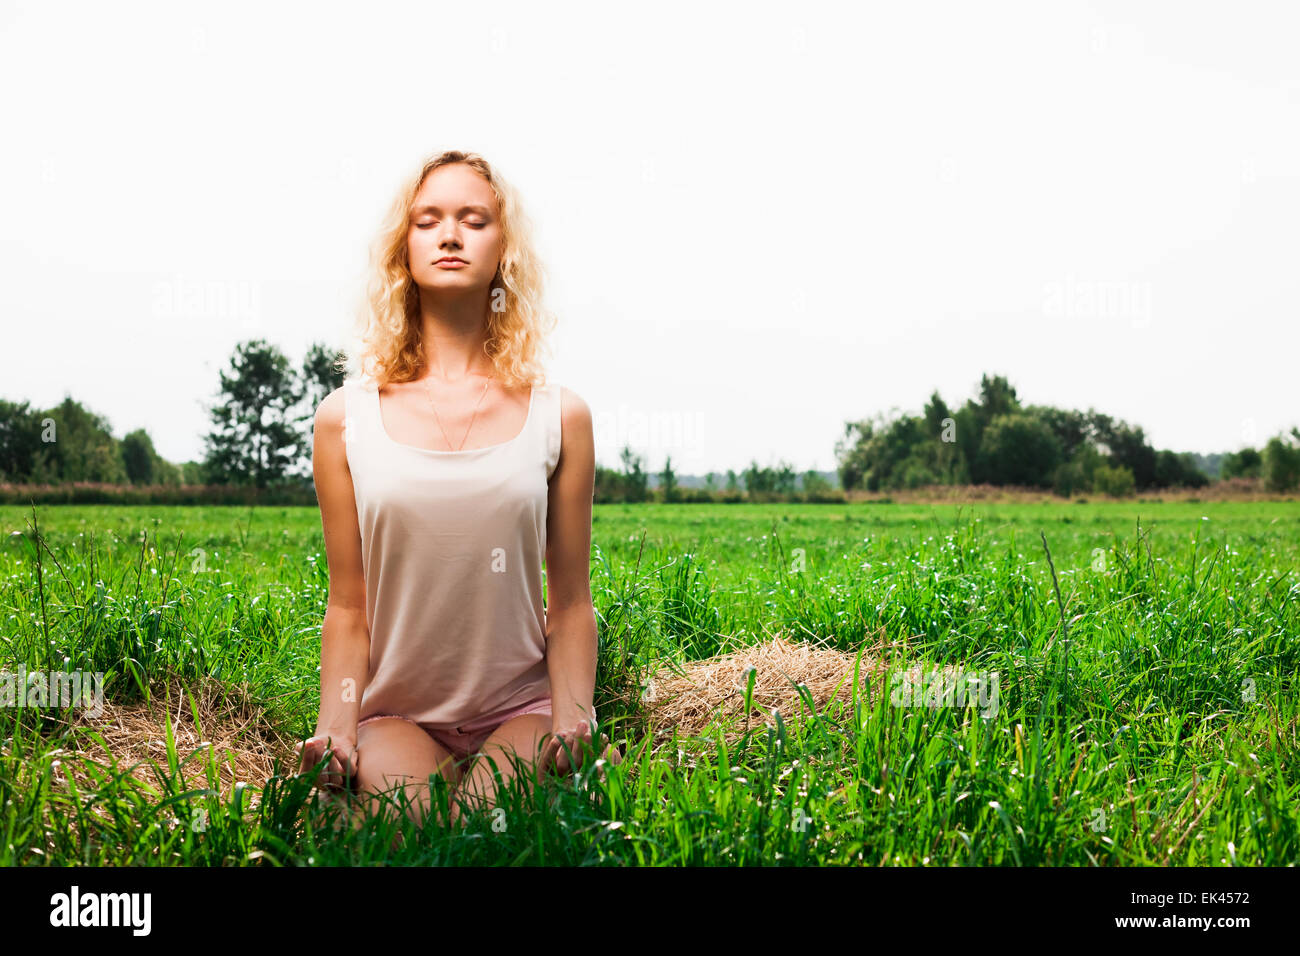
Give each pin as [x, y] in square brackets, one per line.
[447, 469]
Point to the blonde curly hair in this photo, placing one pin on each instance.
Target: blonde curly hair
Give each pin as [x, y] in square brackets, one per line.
[387, 343]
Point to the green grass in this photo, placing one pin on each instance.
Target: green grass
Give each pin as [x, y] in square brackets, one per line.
[1158, 726]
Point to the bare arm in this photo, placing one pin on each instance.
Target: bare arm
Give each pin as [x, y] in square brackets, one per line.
[345, 638]
[571, 639]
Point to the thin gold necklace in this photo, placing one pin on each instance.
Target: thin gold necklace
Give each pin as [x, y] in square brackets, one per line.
[429, 389]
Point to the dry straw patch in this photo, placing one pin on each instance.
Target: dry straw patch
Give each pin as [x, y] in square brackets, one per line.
[715, 688]
[233, 729]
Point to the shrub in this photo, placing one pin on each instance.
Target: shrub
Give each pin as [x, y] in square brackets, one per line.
[1114, 480]
[1069, 478]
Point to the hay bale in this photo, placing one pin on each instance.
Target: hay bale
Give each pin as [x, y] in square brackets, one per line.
[715, 688]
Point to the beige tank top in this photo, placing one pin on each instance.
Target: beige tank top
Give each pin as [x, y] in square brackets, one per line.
[452, 544]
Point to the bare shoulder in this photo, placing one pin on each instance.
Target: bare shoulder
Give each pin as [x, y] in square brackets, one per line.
[575, 414]
[577, 442]
[331, 409]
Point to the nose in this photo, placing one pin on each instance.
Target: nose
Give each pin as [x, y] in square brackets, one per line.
[449, 235]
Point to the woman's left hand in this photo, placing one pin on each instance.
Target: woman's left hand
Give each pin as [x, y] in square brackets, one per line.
[572, 737]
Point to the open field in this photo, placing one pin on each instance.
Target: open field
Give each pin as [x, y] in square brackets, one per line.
[1158, 726]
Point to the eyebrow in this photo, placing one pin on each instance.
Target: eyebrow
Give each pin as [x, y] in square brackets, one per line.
[482, 210]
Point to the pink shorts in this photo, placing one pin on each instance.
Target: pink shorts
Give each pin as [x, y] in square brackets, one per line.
[469, 738]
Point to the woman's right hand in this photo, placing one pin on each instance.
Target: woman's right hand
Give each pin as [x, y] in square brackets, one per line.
[344, 758]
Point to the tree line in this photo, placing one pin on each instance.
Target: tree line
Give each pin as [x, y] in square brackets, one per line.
[259, 440]
[997, 440]
[259, 435]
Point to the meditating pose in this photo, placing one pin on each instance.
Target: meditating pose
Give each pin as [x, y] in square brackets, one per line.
[447, 469]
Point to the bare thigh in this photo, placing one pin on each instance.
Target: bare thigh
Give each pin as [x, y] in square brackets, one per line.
[521, 736]
[393, 753]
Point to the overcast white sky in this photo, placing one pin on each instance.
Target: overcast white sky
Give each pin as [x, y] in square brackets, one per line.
[759, 221]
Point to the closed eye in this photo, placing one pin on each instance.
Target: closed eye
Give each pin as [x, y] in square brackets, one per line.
[472, 225]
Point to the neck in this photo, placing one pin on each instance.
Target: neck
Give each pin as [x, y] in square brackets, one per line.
[454, 331]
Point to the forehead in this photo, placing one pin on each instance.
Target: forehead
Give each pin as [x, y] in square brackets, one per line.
[455, 183]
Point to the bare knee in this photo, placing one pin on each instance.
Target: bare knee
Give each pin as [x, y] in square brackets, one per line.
[396, 760]
[507, 758]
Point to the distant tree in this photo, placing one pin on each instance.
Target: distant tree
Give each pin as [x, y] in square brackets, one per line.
[997, 397]
[733, 483]
[76, 445]
[994, 438]
[635, 480]
[255, 438]
[1019, 449]
[1174, 470]
[321, 375]
[20, 440]
[1116, 480]
[937, 418]
[850, 453]
[875, 458]
[1126, 445]
[915, 472]
[970, 432]
[608, 485]
[784, 478]
[68, 443]
[165, 472]
[756, 479]
[138, 457]
[1068, 478]
[1071, 428]
[1210, 465]
[814, 482]
[1079, 472]
[1247, 463]
[779, 480]
[668, 480]
[942, 459]
[1281, 465]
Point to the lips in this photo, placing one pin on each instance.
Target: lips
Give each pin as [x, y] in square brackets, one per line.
[449, 259]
